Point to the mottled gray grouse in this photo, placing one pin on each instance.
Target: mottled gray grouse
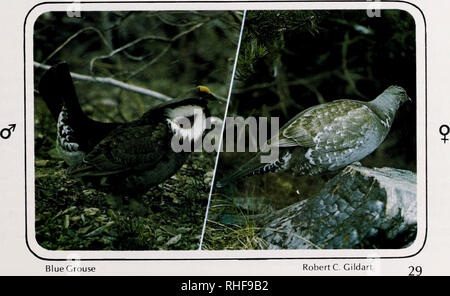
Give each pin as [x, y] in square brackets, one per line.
[329, 136]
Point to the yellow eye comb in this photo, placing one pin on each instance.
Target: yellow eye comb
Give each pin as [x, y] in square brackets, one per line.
[204, 89]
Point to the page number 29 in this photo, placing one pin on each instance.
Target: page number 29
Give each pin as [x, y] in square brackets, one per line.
[415, 270]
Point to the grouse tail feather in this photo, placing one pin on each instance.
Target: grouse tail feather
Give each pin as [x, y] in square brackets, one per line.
[57, 89]
[252, 167]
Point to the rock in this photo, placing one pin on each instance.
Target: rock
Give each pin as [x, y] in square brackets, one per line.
[359, 208]
[174, 240]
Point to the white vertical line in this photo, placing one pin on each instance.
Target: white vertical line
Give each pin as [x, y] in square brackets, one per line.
[223, 128]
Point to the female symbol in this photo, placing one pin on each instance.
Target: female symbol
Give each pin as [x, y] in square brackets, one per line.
[444, 130]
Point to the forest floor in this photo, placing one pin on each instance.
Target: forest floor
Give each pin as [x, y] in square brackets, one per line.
[72, 215]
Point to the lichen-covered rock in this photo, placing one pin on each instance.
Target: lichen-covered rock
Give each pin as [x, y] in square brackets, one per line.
[358, 208]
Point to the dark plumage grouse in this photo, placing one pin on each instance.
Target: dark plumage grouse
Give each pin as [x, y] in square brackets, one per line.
[129, 157]
[329, 136]
[77, 134]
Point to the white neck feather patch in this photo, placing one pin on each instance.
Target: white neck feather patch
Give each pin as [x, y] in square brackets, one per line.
[187, 122]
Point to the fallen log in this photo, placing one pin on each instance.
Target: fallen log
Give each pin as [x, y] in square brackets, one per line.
[358, 208]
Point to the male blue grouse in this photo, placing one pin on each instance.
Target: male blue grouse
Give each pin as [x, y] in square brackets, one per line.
[129, 157]
[328, 137]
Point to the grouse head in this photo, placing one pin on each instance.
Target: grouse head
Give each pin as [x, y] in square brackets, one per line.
[388, 102]
[398, 93]
[203, 96]
[187, 116]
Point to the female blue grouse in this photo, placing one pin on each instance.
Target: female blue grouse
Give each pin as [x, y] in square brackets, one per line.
[328, 137]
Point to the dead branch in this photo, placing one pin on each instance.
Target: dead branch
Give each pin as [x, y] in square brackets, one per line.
[113, 82]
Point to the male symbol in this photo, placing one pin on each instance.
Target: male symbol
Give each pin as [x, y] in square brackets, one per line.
[6, 132]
